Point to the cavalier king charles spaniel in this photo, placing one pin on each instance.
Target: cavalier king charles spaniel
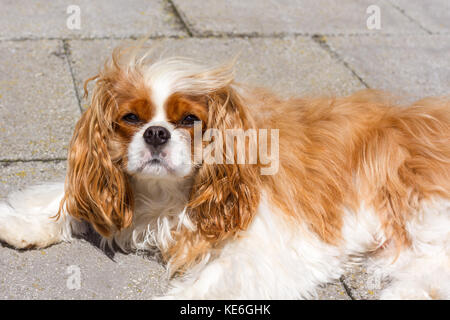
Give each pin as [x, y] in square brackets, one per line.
[347, 178]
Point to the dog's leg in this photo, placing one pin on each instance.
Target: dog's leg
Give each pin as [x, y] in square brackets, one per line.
[27, 218]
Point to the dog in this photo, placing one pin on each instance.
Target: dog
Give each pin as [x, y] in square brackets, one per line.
[348, 179]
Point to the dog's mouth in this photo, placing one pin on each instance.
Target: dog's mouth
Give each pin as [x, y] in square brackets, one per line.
[155, 166]
[154, 162]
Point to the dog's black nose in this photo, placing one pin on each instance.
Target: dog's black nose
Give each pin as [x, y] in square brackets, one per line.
[156, 136]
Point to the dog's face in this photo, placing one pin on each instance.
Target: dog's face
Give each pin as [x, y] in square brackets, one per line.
[141, 124]
[152, 112]
[158, 135]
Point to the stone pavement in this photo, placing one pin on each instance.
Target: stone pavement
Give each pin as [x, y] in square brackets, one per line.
[303, 47]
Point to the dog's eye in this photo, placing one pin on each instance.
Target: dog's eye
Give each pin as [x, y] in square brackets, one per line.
[189, 120]
[131, 118]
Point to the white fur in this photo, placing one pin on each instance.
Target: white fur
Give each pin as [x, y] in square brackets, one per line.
[27, 218]
[274, 259]
[160, 207]
[281, 259]
[171, 75]
[423, 270]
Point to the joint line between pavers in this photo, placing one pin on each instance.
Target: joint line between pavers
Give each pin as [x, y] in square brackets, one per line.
[347, 289]
[226, 35]
[181, 18]
[88, 38]
[66, 48]
[319, 39]
[410, 18]
[3, 161]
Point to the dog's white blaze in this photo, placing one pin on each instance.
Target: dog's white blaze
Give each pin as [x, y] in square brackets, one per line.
[161, 79]
[161, 91]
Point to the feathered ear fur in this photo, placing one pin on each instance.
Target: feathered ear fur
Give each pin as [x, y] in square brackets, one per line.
[97, 188]
[224, 197]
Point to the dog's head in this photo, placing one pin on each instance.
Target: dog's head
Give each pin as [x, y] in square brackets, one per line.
[141, 124]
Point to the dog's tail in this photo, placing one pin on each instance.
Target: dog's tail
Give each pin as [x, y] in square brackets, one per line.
[27, 218]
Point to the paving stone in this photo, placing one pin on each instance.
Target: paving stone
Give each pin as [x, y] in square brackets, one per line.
[38, 106]
[87, 58]
[362, 285]
[410, 66]
[288, 66]
[100, 18]
[264, 17]
[432, 15]
[18, 175]
[48, 274]
[51, 274]
[332, 291]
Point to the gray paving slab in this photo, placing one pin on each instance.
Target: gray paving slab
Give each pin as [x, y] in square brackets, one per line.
[100, 18]
[409, 66]
[432, 15]
[45, 274]
[48, 274]
[332, 291]
[265, 17]
[362, 285]
[38, 106]
[78, 270]
[297, 66]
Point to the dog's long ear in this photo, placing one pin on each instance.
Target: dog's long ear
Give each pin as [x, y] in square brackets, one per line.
[225, 195]
[97, 188]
